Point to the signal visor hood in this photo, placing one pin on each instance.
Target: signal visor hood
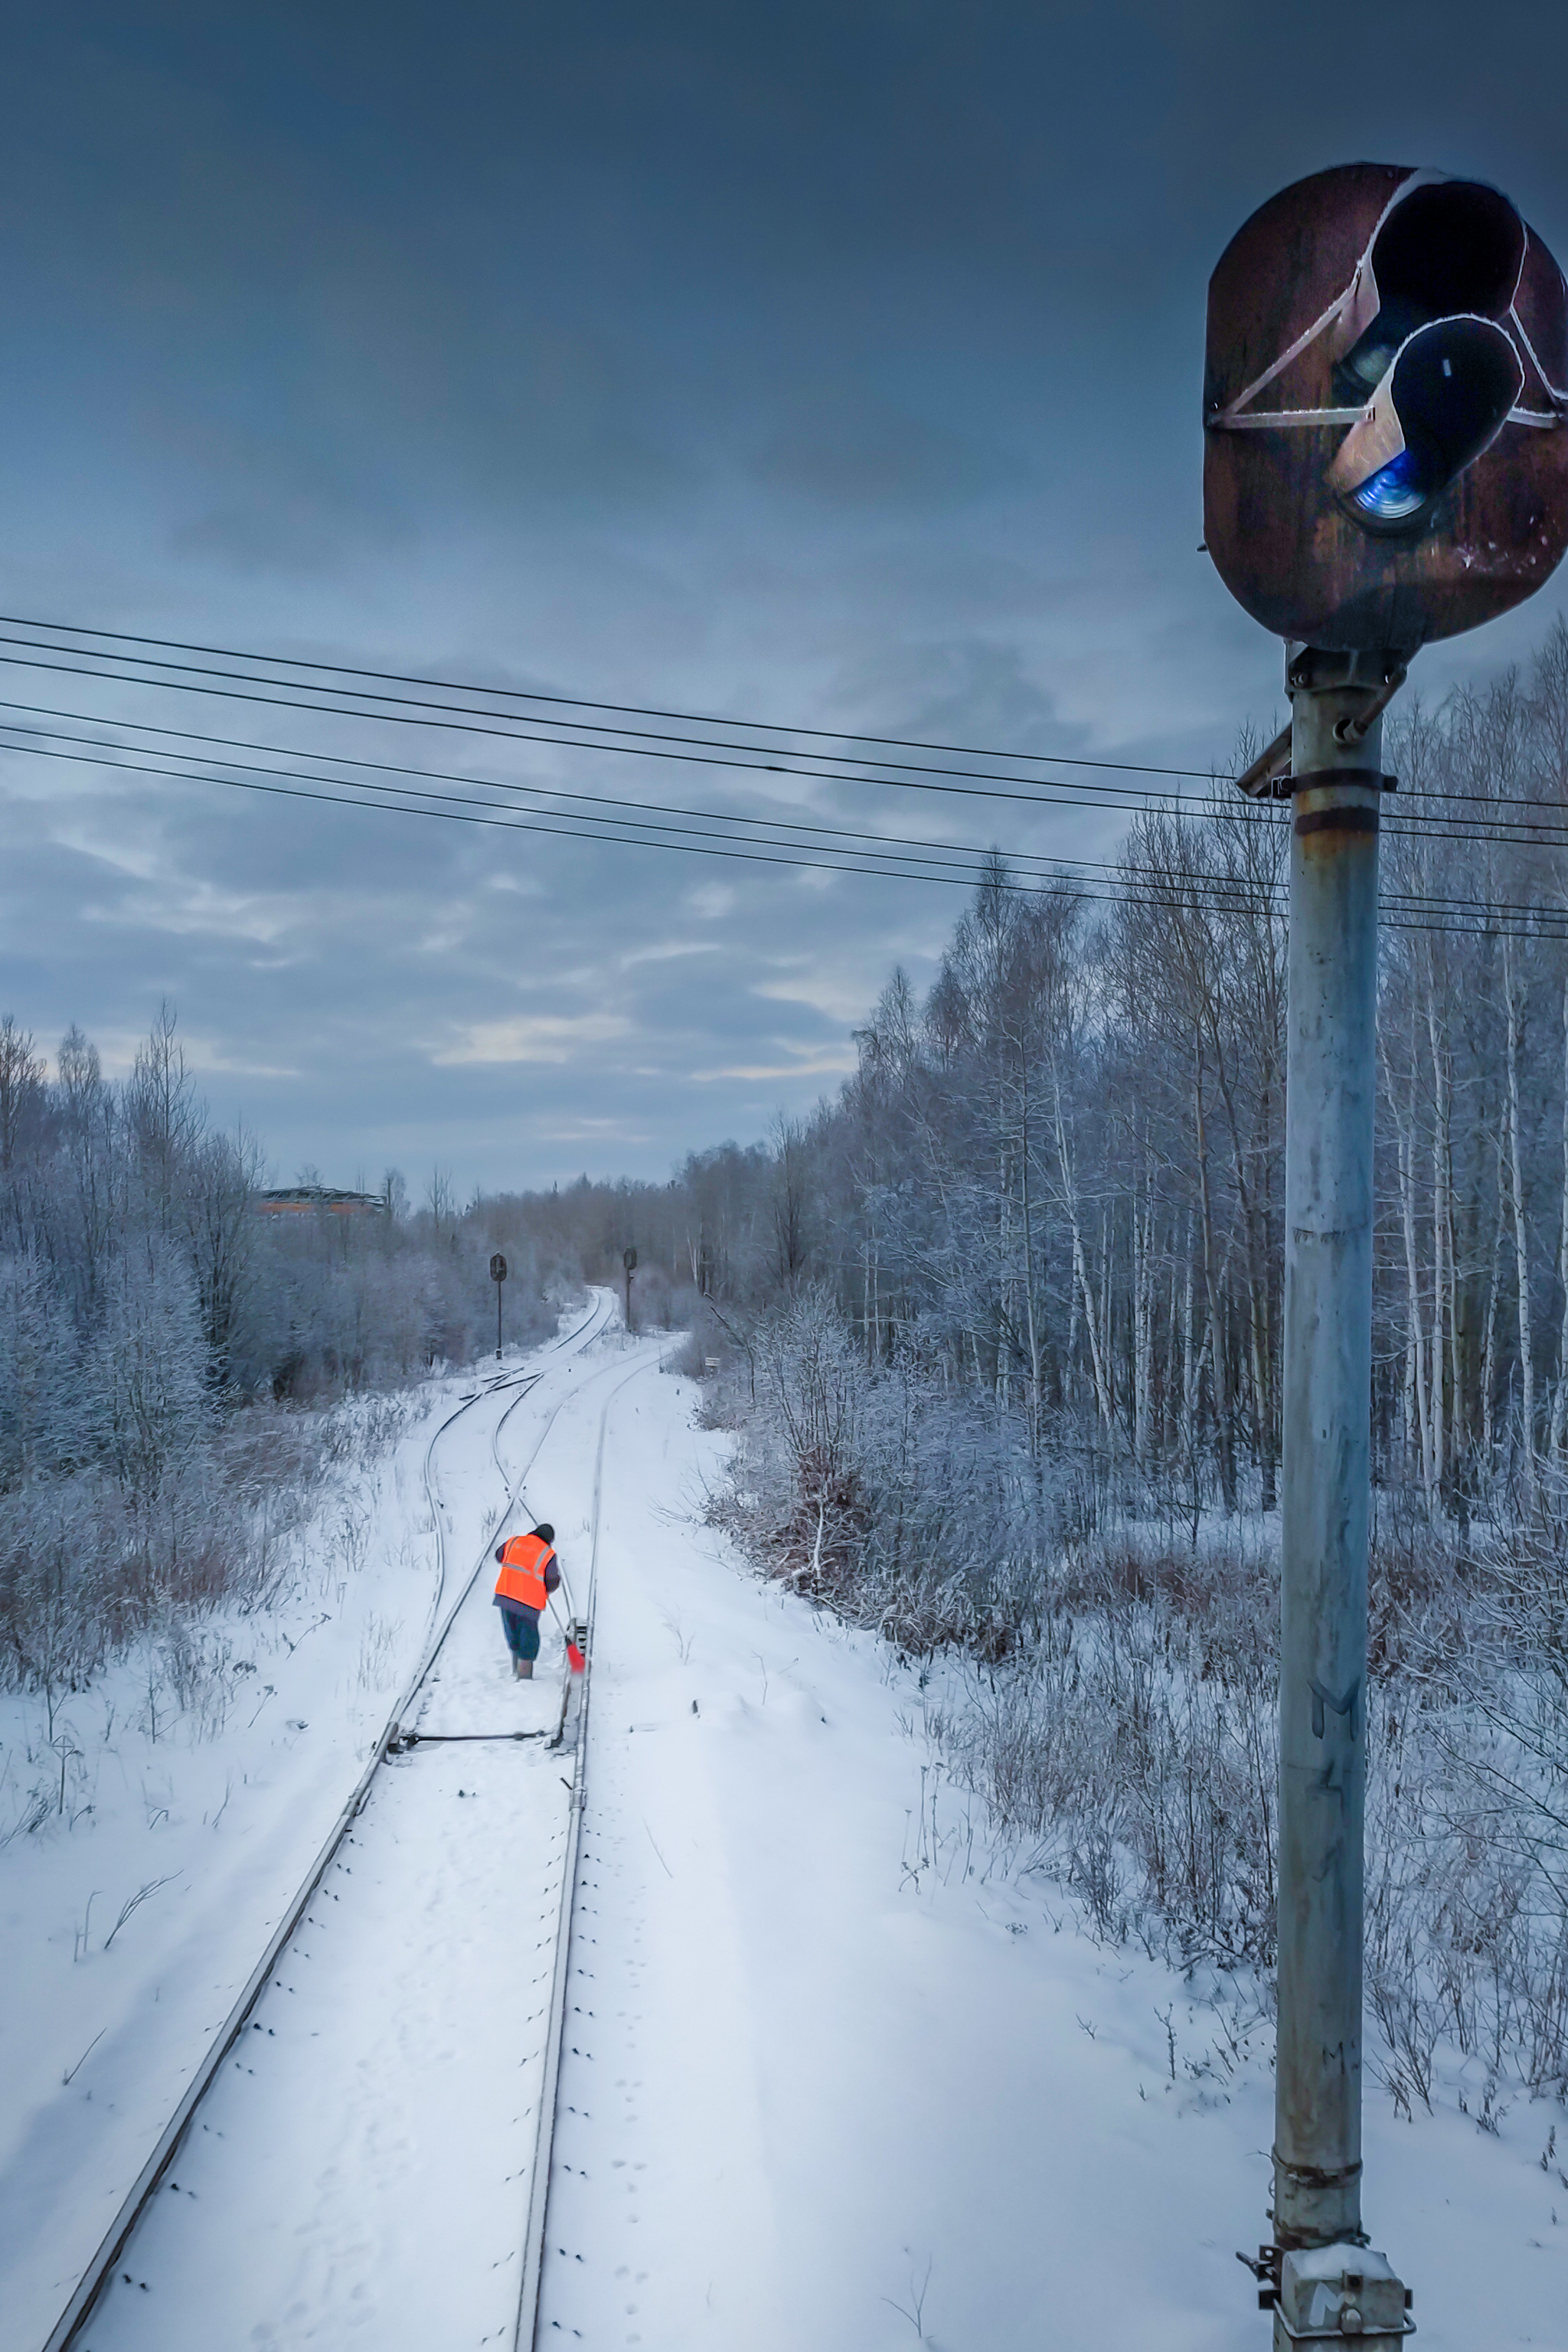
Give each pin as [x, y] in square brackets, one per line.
[1448, 392]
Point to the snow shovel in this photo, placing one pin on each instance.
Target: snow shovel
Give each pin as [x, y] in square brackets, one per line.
[579, 1624]
[574, 1657]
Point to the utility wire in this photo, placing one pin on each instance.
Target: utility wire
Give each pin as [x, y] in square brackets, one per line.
[642, 711]
[891, 855]
[580, 829]
[1220, 895]
[484, 725]
[635, 737]
[434, 776]
[1205, 878]
[1458, 828]
[581, 702]
[652, 819]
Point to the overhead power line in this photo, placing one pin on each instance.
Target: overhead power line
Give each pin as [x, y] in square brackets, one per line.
[581, 702]
[914, 859]
[1458, 828]
[426, 781]
[68, 629]
[562, 824]
[891, 857]
[1060, 796]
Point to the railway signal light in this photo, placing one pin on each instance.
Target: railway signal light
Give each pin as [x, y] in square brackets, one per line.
[1386, 463]
[498, 1275]
[1386, 376]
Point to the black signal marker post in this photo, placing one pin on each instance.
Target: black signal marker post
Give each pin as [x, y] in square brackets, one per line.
[498, 1275]
[629, 1267]
[1386, 463]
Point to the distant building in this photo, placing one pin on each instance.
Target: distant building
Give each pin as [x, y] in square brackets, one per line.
[315, 1200]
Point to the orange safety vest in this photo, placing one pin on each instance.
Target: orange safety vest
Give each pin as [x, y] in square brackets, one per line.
[521, 1577]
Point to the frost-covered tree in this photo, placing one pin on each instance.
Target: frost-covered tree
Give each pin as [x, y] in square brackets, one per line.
[149, 1313]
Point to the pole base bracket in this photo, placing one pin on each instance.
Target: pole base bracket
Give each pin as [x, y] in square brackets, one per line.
[1342, 2293]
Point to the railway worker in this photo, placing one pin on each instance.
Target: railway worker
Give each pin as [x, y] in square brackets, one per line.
[530, 1573]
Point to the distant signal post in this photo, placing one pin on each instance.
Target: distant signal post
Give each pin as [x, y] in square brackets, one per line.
[498, 1275]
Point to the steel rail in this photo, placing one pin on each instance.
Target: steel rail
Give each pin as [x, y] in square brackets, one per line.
[585, 1331]
[528, 2313]
[84, 2299]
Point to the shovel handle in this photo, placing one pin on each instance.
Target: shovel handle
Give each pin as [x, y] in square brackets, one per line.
[574, 1657]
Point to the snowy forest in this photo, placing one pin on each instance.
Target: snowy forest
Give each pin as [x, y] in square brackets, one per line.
[1000, 1331]
[173, 1364]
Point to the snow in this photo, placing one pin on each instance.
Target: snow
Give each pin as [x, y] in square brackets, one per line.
[838, 2075]
[833, 2074]
[354, 2174]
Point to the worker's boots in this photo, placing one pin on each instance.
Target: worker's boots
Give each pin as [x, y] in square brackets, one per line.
[523, 1669]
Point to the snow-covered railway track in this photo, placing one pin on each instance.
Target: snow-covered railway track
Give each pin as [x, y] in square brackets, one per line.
[92, 2313]
[550, 2097]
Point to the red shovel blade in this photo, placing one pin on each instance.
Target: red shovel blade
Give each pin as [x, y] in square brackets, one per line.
[576, 1659]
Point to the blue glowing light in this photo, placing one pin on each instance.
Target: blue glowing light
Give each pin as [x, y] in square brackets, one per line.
[1395, 492]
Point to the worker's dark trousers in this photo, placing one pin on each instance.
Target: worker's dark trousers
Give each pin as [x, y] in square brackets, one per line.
[521, 1627]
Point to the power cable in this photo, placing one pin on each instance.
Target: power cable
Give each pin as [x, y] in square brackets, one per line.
[828, 835]
[1473, 829]
[583, 702]
[642, 711]
[1221, 896]
[510, 734]
[433, 776]
[840, 841]
[578, 829]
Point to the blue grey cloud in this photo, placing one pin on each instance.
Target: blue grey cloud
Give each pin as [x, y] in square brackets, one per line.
[833, 364]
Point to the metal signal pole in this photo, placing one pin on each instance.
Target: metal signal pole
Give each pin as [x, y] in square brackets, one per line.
[1336, 790]
[1432, 299]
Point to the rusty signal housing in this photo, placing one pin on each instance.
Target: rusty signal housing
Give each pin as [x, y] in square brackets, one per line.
[1385, 410]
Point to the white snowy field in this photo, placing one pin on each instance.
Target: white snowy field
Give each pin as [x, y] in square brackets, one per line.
[218, 1811]
[835, 2077]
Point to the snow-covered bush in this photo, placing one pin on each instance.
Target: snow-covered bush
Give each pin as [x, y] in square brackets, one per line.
[912, 1505]
[1132, 1745]
[1119, 1710]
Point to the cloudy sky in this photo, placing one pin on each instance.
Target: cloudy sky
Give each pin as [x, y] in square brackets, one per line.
[833, 365]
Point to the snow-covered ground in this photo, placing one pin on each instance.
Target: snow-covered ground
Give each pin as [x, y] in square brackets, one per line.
[836, 2078]
[837, 2081]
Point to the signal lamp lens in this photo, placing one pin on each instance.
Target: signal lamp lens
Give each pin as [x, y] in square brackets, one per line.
[1364, 366]
[1395, 492]
[1443, 401]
